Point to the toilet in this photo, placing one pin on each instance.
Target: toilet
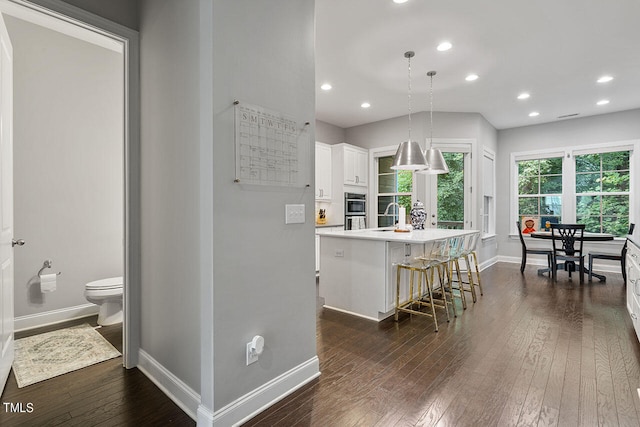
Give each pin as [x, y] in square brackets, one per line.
[107, 293]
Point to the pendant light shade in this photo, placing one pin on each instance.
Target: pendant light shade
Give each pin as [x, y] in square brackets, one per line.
[433, 156]
[409, 155]
[437, 164]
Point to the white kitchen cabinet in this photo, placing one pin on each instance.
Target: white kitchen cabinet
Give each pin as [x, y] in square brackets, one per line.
[323, 171]
[355, 166]
[633, 284]
[317, 253]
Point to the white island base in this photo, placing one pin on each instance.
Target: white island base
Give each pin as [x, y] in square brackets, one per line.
[357, 268]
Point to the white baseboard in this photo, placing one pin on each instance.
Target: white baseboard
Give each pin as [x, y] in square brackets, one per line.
[251, 404]
[52, 317]
[237, 412]
[181, 394]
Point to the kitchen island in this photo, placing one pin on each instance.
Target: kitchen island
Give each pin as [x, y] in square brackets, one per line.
[358, 274]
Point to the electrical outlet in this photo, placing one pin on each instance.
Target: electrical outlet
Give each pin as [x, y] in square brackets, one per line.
[252, 356]
[294, 214]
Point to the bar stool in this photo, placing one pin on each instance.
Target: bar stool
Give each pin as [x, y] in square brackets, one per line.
[417, 298]
[436, 260]
[456, 249]
[469, 251]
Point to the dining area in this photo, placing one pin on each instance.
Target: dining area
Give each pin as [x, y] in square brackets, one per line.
[565, 249]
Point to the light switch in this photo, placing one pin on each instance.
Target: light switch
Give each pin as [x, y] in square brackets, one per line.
[294, 214]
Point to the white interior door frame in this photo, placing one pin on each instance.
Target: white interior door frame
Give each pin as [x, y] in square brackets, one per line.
[79, 23]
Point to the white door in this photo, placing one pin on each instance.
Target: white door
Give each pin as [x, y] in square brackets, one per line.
[6, 204]
[449, 203]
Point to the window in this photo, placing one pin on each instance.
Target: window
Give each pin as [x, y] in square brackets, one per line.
[393, 187]
[591, 186]
[539, 192]
[488, 193]
[602, 192]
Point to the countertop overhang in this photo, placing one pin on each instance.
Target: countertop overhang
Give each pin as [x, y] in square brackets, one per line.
[389, 235]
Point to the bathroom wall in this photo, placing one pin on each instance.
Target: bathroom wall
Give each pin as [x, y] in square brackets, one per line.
[68, 166]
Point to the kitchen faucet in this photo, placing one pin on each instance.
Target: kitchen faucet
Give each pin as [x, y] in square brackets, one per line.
[386, 211]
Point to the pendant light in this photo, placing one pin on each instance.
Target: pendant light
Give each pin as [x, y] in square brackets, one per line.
[433, 156]
[409, 155]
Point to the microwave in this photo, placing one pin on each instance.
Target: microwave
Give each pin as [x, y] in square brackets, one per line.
[355, 204]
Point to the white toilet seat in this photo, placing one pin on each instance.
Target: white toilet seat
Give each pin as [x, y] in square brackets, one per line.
[107, 293]
[110, 283]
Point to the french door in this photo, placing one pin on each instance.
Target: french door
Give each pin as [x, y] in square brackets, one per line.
[448, 203]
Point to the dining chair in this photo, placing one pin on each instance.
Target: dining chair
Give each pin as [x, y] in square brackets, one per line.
[535, 251]
[567, 242]
[612, 256]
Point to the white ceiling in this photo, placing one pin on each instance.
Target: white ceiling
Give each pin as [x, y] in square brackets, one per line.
[553, 49]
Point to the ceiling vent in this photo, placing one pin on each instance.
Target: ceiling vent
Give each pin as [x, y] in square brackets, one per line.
[566, 116]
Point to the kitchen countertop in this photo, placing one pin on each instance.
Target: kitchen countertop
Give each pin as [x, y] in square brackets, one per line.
[328, 225]
[388, 235]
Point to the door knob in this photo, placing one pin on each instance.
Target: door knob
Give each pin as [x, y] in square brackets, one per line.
[19, 242]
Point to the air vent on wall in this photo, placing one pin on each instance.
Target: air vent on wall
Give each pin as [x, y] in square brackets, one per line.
[566, 116]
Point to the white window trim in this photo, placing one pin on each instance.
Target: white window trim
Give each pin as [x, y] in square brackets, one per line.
[374, 154]
[492, 214]
[568, 173]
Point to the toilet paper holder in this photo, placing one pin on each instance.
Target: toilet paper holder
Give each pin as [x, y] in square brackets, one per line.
[47, 264]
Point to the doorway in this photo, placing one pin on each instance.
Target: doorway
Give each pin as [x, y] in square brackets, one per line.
[449, 197]
[94, 30]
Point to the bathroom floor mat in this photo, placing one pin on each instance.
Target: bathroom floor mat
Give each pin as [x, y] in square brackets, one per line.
[40, 357]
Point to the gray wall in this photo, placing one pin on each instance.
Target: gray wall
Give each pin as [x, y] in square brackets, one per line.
[170, 288]
[568, 133]
[263, 270]
[328, 133]
[124, 12]
[68, 164]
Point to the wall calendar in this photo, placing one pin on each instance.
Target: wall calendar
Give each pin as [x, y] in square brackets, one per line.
[270, 147]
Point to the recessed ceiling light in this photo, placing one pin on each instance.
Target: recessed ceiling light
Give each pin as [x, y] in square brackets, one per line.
[603, 102]
[444, 46]
[471, 77]
[534, 114]
[400, 1]
[523, 95]
[326, 86]
[605, 79]
[365, 105]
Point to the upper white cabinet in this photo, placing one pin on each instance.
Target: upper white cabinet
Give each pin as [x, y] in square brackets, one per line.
[355, 163]
[323, 171]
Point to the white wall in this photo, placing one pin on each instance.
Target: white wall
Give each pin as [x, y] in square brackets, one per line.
[263, 270]
[591, 130]
[68, 164]
[170, 288]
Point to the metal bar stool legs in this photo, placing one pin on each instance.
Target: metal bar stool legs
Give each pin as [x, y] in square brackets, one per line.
[415, 300]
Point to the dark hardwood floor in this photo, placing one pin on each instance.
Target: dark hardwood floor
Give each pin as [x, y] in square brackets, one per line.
[104, 394]
[529, 353]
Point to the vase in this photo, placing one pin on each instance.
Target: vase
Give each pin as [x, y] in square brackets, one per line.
[418, 216]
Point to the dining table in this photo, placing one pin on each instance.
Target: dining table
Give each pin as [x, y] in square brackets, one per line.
[586, 237]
